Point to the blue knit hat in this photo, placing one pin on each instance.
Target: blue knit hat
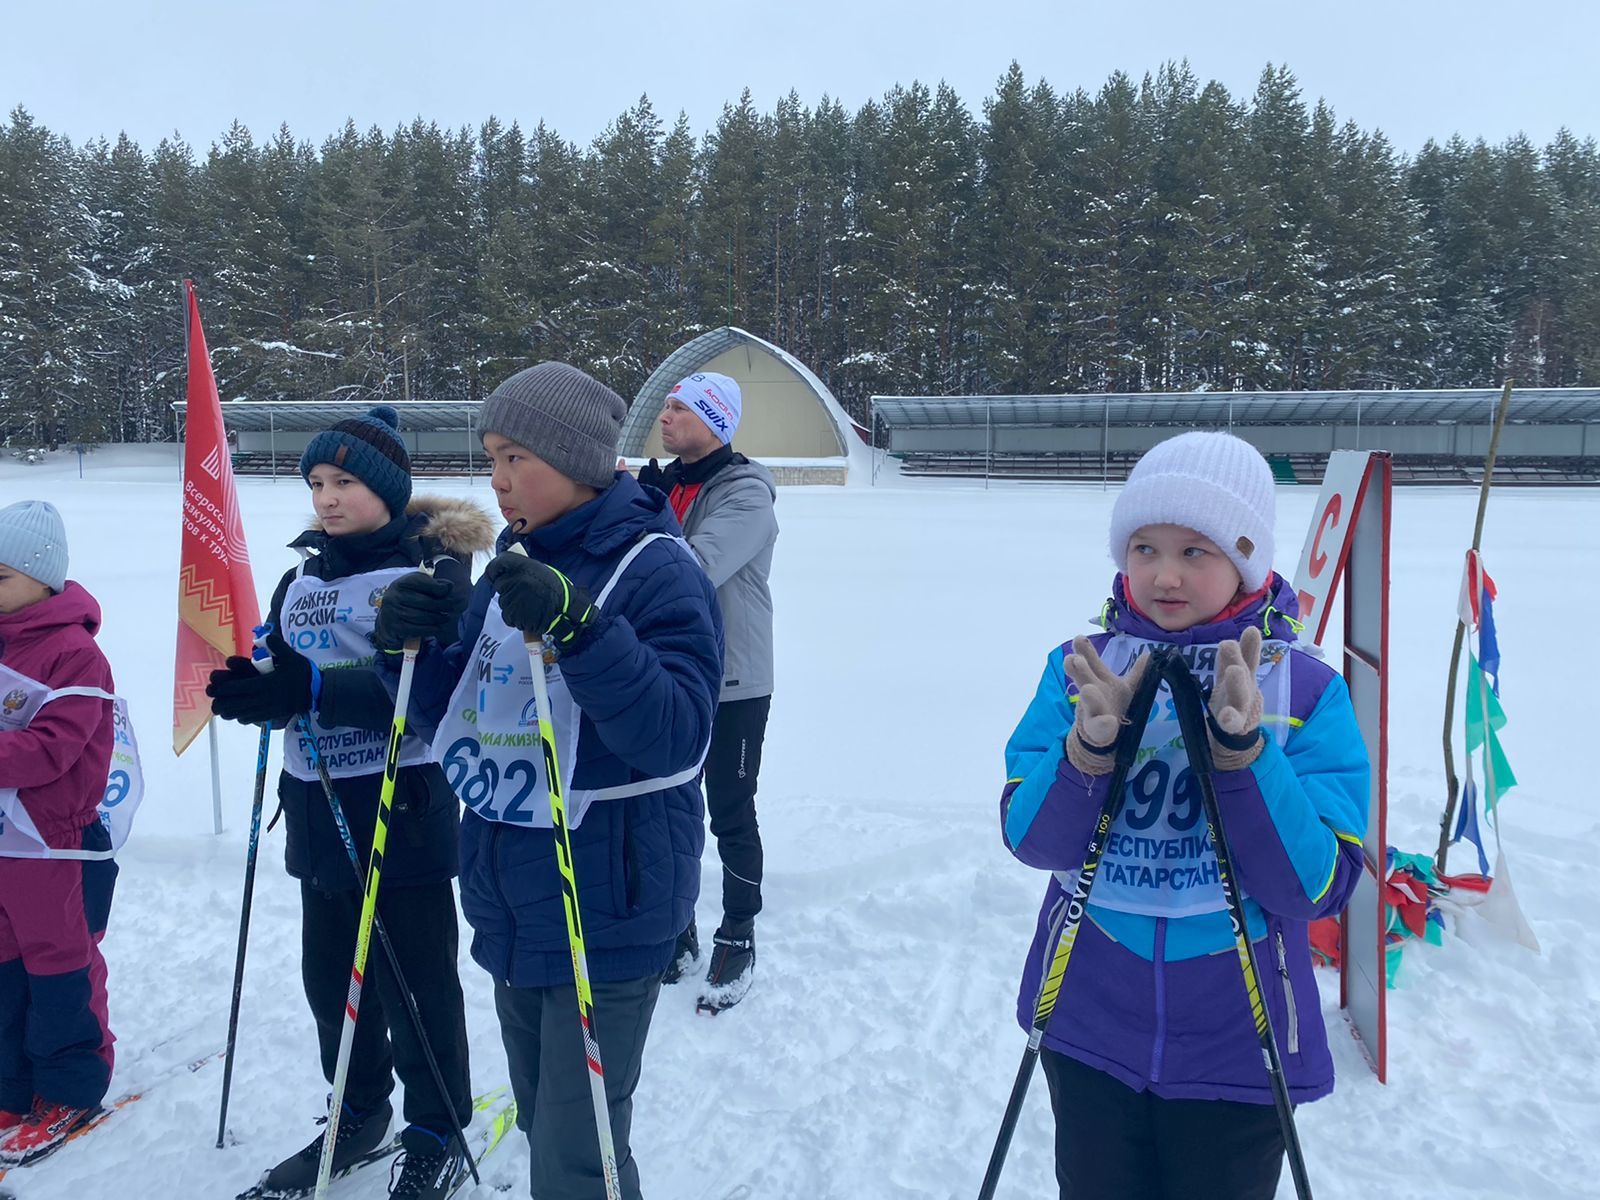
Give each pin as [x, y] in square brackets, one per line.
[34, 541]
[369, 448]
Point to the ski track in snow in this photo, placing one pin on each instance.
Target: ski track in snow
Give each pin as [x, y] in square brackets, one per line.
[875, 1053]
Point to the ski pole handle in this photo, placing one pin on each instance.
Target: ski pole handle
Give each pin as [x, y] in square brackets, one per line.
[537, 646]
[413, 646]
[260, 656]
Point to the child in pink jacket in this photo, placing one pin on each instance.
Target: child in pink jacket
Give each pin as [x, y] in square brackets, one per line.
[56, 734]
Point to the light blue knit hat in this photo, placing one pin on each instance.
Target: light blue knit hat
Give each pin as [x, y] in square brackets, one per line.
[34, 541]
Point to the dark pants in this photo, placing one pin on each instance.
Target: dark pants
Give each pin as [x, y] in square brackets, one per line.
[732, 764]
[55, 1037]
[550, 1078]
[1113, 1143]
[422, 923]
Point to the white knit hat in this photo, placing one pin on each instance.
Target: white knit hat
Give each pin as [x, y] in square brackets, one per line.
[34, 541]
[714, 399]
[1213, 483]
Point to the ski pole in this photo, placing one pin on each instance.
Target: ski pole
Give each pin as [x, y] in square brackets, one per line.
[1126, 748]
[263, 664]
[569, 896]
[337, 810]
[369, 906]
[1193, 721]
[244, 929]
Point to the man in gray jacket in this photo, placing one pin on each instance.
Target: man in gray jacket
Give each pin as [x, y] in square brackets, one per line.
[724, 502]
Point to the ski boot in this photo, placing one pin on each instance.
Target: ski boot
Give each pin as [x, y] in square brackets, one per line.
[430, 1167]
[43, 1130]
[361, 1140]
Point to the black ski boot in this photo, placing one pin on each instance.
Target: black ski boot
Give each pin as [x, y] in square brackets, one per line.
[362, 1138]
[732, 970]
[684, 955]
[429, 1168]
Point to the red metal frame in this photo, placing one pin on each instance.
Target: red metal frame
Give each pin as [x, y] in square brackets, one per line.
[1383, 467]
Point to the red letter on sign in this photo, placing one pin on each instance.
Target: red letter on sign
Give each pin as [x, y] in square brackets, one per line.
[1330, 515]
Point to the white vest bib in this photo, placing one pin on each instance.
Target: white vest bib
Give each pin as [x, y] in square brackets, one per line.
[330, 622]
[20, 699]
[1159, 861]
[488, 741]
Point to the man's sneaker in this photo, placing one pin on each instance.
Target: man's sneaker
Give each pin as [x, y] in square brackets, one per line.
[429, 1173]
[684, 955]
[10, 1120]
[361, 1137]
[732, 970]
[45, 1128]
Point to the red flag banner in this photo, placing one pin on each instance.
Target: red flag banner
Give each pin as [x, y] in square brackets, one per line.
[217, 608]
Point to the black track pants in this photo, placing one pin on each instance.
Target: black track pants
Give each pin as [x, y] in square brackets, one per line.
[732, 764]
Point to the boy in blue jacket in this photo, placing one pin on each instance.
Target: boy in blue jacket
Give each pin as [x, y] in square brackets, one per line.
[1155, 1072]
[634, 621]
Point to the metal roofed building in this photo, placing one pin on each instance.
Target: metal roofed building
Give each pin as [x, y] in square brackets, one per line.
[270, 435]
[1552, 435]
[790, 422]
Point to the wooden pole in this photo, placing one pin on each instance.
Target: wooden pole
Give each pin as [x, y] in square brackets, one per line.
[1452, 784]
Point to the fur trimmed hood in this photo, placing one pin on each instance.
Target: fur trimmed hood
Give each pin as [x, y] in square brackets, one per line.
[459, 526]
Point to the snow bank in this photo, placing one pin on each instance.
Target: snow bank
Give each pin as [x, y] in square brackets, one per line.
[875, 1053]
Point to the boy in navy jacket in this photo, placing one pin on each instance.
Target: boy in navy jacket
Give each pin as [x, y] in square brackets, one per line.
[633, 621]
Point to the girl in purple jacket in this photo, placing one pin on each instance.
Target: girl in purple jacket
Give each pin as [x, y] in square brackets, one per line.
[1156, 1076]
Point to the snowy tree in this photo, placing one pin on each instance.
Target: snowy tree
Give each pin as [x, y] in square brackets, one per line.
[47, 291]
[1158, 234]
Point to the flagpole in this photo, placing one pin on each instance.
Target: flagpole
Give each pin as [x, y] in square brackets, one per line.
[216, 778]
[1452, 785]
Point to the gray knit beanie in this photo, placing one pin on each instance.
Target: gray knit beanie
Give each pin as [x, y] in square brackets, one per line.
[564, 416]
[34, 541]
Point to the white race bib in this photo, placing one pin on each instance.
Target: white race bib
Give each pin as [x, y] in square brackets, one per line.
[1158, 860]
[488, 741]
[331, 623]
[20, 700]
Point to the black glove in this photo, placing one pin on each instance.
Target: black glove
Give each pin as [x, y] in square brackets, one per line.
[652, 475]
[418, 606]
[241, 693]
[540, 600]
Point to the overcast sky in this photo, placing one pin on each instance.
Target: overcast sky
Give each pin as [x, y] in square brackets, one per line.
[1414, 68]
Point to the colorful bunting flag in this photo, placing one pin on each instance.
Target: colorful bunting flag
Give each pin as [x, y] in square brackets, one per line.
[1482, 702]
[1475, 585]
[1488, 641]
[1467, 819]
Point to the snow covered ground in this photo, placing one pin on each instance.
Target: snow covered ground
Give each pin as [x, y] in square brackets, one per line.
[874, 1055]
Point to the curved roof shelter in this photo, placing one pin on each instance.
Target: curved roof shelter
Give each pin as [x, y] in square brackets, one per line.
[788, 413]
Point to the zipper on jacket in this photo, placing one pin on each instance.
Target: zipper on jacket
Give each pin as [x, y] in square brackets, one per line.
[1288, 996]
[1158, 965]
